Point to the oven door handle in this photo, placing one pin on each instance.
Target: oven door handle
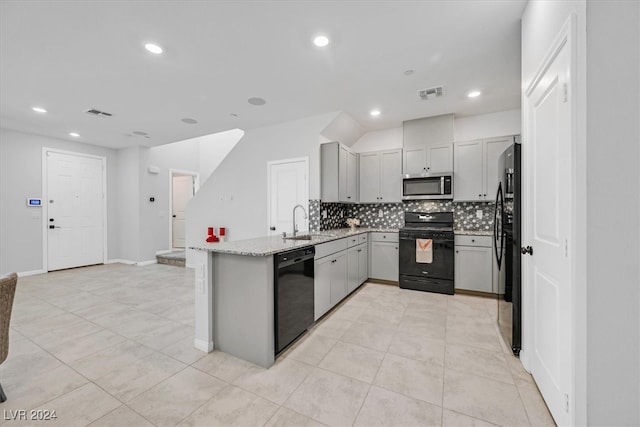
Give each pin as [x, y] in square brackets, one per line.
[407, 238]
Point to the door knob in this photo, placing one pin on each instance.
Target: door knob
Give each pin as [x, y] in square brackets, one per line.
[272, 228]
[526, 250]
[174, 216]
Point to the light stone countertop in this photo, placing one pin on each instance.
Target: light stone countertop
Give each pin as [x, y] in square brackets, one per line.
[263, 246]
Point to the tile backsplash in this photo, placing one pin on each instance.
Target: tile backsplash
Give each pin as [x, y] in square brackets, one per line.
[391, 215]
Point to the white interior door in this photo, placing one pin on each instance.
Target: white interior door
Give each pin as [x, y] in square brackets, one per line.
[288, 187]
[75, 223]
[548, 199]
[182, 192]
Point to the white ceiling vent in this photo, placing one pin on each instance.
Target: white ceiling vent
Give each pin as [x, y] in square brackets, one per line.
[431, 92]
[99, 113]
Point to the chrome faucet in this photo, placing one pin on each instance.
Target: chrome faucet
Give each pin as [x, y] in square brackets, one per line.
[295, 227]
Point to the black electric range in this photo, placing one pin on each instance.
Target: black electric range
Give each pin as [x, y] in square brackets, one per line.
[434, 272]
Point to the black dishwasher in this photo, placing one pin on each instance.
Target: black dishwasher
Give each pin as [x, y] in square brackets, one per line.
[293, 295]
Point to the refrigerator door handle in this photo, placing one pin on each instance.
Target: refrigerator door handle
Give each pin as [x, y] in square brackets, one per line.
[498, 233]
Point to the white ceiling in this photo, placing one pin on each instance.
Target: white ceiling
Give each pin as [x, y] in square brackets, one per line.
[70, 56]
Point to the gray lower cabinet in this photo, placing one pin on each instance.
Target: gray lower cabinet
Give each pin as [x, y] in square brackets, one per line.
[339, 278]
[363, 263]
[322, 287]
[474, 263]
[330, 283]
[339, 270]
[357, 267]
[383, 260]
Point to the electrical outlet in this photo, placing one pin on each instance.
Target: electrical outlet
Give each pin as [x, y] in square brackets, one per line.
[324, 214]
[380, 213]
[479, 214]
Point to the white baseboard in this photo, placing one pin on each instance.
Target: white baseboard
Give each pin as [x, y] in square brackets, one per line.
[207, 347]
[30, 273]
[166, 251]
[144, 263]
[120, 261]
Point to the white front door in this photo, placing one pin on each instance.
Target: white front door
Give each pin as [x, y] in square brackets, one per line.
[288, 187]
[75, 212]
[182, 191]
[547, 152]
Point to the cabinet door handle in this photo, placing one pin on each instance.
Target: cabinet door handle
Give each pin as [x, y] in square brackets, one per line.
[359, 250]
[479, 195]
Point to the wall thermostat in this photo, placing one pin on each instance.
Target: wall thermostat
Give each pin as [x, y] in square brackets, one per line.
[34, 202]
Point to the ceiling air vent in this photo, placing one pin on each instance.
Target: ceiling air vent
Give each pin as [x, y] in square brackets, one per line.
[431, 92]
[99, 113]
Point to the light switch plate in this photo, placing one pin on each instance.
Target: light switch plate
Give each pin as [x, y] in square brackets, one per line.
[479, 214]
[380, 213]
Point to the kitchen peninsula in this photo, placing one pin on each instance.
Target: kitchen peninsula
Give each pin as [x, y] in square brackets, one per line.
[234, 288]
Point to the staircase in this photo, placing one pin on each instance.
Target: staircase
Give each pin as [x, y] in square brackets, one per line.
[176, 258]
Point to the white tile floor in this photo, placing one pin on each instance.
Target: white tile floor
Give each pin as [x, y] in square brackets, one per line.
[113, 346]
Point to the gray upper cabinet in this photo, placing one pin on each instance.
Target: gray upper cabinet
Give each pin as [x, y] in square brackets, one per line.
[467, 171]
[381, 176]
[369, 177]
[493, 148]
[476, 174]
[428, 145]
[338, 173]
[432, 159]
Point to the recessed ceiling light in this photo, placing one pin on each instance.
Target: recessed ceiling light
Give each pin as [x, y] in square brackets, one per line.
[74, 134]
[375, 113]
[474, 94]
[408, 72]
[233, 115]
[139, 132]
[189, 121]
[153, 48]
[321, 41]
[39, 109]
[256, 101]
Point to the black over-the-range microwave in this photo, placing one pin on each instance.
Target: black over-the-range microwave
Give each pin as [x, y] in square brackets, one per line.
[427, 186]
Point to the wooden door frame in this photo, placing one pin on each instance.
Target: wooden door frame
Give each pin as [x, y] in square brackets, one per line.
[45, 204]
[306, 171]
[566, 38]
[196, 187]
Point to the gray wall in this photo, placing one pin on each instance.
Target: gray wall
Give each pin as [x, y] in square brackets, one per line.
[128, 199]
[21, 177]
[613, 221]
[235, 196]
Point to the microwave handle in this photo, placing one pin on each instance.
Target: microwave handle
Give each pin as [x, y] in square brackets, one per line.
[442, 185]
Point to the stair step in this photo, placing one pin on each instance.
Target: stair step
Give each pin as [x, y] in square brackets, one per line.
[177, 258]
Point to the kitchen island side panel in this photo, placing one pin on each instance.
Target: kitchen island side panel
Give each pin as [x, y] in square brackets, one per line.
[243, 307]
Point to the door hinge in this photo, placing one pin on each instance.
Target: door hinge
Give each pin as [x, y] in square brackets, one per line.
[565, 92]
[566, 403]
[566, 248]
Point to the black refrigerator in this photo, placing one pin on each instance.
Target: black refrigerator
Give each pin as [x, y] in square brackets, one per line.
[507, 234]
